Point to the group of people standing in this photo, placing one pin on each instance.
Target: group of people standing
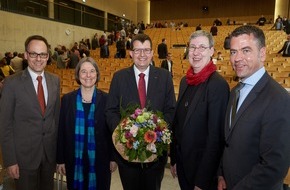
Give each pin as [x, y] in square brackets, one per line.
[234, 140]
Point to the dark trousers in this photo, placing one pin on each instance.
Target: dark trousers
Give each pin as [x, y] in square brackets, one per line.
[39, 179]
[136, 176]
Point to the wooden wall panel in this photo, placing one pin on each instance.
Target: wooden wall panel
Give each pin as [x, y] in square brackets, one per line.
[192, 9]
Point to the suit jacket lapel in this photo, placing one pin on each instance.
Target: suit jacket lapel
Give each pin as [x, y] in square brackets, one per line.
[29, 88]
[133, 90]
[49, 84]
[152, 84]
[248, 101]
[199, 94]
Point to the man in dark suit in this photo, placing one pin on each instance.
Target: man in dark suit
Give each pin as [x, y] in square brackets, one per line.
[29, 126]
[257, 150]
[159, 96]
[286, 48]
[168, 63]
[162, 49]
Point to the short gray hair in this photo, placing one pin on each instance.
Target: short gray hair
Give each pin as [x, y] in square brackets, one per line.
[202, 33]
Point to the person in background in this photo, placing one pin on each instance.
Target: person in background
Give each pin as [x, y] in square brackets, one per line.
[286, 48]
[198, 27]
[162, 49]
[257, 144]
[214, 30]
[62, 61]
[168, 63]
[261, 21]
[95, 42]
[199, 118]
[159, 96]
[84, 141]
[29, 114]
[16, 63]
[5, 70]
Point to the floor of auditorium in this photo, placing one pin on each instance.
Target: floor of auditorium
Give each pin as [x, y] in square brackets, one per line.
[168, 182]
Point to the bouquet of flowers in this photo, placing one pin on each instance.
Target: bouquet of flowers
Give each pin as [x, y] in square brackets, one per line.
[142, 136]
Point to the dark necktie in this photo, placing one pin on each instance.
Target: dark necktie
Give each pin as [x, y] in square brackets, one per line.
[236, 100]
[142, 89]
[40, 94]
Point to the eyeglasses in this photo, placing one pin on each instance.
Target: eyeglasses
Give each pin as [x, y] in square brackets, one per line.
[85, 72]
[145, 50]
[34, 55]
[200, 48]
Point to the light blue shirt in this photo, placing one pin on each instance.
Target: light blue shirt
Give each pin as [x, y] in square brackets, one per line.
[249, 85]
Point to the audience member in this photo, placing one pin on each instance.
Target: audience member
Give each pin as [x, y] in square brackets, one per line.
[16, 63]
[278, 25]
[214, 30]
[162, 49]
[84, 157]
[168, 63]
[29, 114]
[217, 22]
[198, 27]
[286, 48]
[261, 21]
[8, 56]
[257, 144]
[121, 48]
[73, 59]
[95, 42]
[160, 97]
[5, 69]
[61, 62]
[199, 118]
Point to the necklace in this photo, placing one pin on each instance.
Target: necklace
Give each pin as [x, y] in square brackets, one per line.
[86, 101]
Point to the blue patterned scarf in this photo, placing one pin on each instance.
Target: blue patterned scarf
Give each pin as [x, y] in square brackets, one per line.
[79, 144]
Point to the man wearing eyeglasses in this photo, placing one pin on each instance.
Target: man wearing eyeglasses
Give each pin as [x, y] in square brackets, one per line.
[29, 114]
[159, 95]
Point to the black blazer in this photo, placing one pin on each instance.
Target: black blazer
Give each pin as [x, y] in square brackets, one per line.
[257, 151]
[164, 65]
[162, 51]
[123, 90]
[66, 139]
[202, 133]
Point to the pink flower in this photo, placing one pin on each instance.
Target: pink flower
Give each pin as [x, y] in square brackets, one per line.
[138, 112]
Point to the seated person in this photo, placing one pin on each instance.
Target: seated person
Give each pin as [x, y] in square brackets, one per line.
[286, 48]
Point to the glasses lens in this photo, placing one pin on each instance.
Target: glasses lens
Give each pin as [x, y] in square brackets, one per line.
[41, 55]
[138, 51]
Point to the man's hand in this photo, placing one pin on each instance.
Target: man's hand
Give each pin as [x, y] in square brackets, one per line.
[113, 166]
[13, 171]
[61, 169]
[173, 171]
[221, 183]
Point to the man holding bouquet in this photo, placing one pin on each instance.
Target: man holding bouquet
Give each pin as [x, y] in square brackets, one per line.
[149, 87]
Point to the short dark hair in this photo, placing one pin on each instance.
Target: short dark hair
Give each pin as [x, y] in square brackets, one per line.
[78, 68]
[250, 29]
[35, 37]
[142, 38]
[163, 39]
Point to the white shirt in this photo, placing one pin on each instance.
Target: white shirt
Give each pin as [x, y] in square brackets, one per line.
[146, 72]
